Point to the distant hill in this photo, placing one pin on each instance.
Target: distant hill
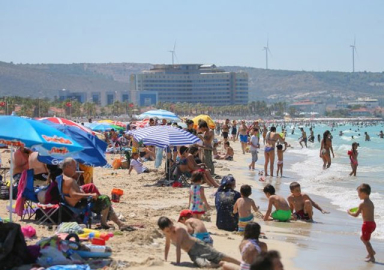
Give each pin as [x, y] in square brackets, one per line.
[273, 85]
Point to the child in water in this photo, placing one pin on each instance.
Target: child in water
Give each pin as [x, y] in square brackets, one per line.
[244, 206]
[353, 157]
[366, 208]
[197, 201]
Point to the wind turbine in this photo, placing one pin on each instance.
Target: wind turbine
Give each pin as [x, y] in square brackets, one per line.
[353, 54]
[266, 49]
[173, 52]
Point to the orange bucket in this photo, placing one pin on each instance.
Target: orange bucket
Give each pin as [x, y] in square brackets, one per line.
[116, 194]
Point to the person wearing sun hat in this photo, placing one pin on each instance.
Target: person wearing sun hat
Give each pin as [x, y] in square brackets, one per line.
[195, 227]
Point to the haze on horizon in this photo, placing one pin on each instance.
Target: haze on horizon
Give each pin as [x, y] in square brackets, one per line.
[303, 35]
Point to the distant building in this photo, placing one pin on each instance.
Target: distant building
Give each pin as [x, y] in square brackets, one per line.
[309, 107]
[192, 83]
[369, 103]
[101, 98]
[360, 112]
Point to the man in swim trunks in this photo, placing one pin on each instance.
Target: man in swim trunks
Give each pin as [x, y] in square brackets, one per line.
[195, 227]
[225, 130]
[303, 138]
[207, 145]
[243, 133]
[283, 212]
[302, 204]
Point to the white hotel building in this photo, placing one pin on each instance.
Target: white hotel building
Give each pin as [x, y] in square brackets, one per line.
[192, 83]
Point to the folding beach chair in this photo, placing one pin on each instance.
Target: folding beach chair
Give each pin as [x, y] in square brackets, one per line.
[80, 215]
[32, 204]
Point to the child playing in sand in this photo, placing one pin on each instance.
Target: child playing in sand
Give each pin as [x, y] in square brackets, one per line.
[280, 158]
[195, 227]
[244, 206]
[137, 165]
[197, 250]
[282, 212]
[366, 208]
[197, 202]
[353, 157]
[302, 204]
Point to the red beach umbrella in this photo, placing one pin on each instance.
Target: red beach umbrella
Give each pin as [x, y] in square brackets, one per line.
[63, 121]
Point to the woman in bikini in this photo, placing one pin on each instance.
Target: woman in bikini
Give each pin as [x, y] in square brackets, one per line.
[326, 148]
[353, 153]
[269, 150]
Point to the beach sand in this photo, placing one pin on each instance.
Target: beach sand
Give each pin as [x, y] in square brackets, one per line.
[143, 203]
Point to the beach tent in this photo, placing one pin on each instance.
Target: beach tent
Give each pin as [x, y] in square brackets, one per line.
[206, 118]
[93, 153]
[160, 114]
[17, 131]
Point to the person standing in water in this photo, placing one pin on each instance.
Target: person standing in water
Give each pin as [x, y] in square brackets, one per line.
[303, 138]
[353, 157]
[326, 149]
[243, 133]
[367, 137]
[269, 150]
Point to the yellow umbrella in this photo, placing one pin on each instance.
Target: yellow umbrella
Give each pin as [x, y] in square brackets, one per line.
[206, 118]
[105, 121]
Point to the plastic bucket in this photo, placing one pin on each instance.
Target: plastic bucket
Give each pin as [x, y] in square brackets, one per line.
[116, 194]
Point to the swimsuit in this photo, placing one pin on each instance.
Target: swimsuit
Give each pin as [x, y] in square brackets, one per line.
[244, 265]
[234, 131]
[243, 138]
[197, 205]
[243, 221]
[280, 162]
[367, 229]
[301, 215]
[282, 215]
[225, 135]
[204, 236]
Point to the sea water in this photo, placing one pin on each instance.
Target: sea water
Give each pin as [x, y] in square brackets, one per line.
[335, 183]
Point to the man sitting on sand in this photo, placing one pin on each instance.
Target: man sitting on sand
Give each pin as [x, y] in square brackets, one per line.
[77, 198]
[283, 212]
[198, 251]
[195, 227]
[302, 204]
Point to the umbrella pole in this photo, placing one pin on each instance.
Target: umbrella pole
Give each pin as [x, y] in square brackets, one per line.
[11, 187]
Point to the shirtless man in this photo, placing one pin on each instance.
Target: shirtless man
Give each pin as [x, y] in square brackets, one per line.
[243, 132]
[195, 227]
[76, 197]
[282, 212]
[40, 170]
[225, 130]
[198, 251]
[303, 138]
[301, 204]
[207, 145]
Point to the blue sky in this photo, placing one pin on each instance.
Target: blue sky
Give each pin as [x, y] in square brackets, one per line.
[303, 35]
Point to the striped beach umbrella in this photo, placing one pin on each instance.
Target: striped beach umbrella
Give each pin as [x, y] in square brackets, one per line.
[160, 114]
[163, 136]
[63, 121]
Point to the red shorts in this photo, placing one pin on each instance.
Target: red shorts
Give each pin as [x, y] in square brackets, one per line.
[367, 229]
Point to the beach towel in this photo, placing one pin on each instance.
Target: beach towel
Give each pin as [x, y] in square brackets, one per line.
[20, 201]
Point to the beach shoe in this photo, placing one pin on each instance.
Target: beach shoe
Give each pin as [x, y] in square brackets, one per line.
[127, 228]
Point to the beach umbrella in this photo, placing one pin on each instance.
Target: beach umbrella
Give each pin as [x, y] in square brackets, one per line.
[93, 153]
[163, 136]
[63, 121]
[17, 131]
[160, 114]
[141, 124]
[116, 123]
[100, 127]
[206, 118]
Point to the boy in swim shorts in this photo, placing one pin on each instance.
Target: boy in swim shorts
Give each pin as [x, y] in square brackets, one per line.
[282, 212]
[302, 204]
[280, 158]
[198, 251]
[244, 206]
[366, 208]
[195, 227]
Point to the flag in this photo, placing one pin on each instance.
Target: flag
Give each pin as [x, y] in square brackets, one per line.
[2, 103]
[68, 104]
[131, 105]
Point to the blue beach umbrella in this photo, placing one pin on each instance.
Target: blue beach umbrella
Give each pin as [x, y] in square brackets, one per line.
[163, 136]
[160, 114]
[21, 132]
[100, 127]
[93, 153]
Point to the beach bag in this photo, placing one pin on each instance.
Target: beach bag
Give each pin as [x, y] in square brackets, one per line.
[13, 249]
[116, 164]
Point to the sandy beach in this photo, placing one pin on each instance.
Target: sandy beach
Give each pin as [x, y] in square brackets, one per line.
[143, 203]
